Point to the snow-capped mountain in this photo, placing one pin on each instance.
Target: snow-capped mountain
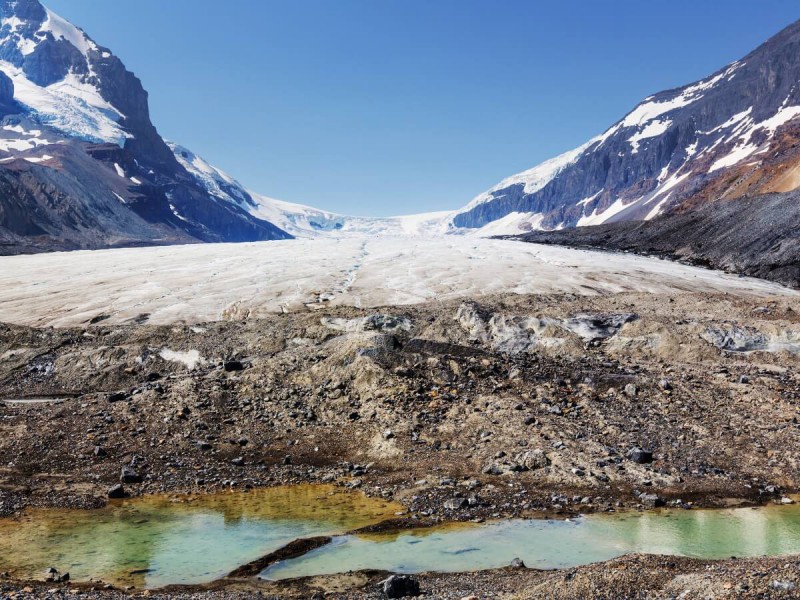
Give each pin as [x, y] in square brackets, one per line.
[732, 134]
[300, 220]
[81, 164]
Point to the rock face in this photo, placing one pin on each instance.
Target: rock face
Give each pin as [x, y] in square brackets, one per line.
[8, 106]
[83, 166]
[729, 135]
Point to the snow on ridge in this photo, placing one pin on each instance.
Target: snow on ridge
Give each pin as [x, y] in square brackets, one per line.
[215, 181]
[73, 105]
[60, 28]
[300, 220]
[513, 223]
[646, 117]
[533, 179]
[307, 222]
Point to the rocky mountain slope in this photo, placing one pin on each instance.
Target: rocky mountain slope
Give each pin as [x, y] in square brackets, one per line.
[754, 236]
[81, 163]
[730, 135]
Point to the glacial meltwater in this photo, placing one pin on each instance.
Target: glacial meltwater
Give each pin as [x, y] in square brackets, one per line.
[548, 544]
[157, 541]
[161, 540]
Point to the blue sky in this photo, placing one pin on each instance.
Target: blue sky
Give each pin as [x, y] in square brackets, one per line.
[381, 107]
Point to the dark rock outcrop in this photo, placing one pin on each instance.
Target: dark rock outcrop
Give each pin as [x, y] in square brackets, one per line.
[8, 106]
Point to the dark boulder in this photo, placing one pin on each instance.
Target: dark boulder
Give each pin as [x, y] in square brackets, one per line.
[128, 475]
[640, 456]
[117, 492]
[400, 586]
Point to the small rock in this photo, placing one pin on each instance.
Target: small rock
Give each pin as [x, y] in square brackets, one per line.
[456, 503]
[493, 469]
[128, 475]
[517, 563]
[117, 492]
[99, 451]
[630, 390]
[117, 397]
[400, 586]
[532, 459]
[786, 586]
[640, 456]
[388, 434]
[744, 379]
[651, 500]
[238, 461]
[231, 366]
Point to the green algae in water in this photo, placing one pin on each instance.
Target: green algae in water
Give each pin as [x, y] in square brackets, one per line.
[708, 534]
[160, 540]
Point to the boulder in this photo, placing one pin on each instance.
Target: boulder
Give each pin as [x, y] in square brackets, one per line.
[532, 459]
[456, 503]
[231, 366]
[117, 492]
[640, 456]
[400, 586]
[128, 475]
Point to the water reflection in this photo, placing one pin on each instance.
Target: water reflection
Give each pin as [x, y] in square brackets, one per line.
[161, 540]
[559, 544]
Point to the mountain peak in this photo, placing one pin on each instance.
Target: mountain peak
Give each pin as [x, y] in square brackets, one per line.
[724, 136]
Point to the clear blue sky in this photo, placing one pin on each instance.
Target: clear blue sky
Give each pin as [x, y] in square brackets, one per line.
[382, 107]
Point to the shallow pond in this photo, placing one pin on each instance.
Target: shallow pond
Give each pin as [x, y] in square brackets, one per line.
[159, 540]
[710, 534]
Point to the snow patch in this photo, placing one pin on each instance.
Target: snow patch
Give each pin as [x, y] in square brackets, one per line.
[599, 218]
[191, 359]
[652, 129]
[738, 154]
